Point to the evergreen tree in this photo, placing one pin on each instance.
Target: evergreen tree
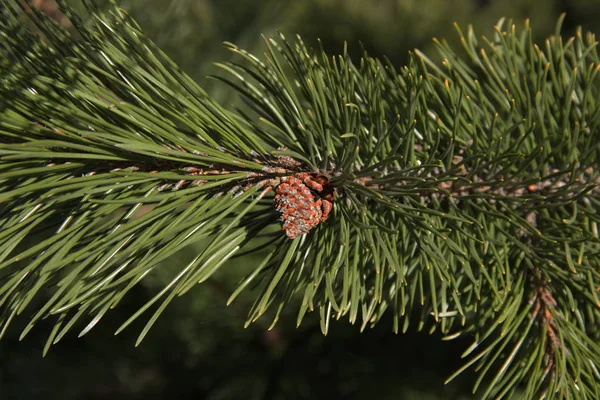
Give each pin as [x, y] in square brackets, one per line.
[461, 197]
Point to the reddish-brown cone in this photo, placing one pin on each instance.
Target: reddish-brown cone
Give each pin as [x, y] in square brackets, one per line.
[300, 211]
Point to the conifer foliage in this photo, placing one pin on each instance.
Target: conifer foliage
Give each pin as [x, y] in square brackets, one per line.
[461, 197]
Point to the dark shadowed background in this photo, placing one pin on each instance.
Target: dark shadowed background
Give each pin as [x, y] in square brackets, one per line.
[199, 348]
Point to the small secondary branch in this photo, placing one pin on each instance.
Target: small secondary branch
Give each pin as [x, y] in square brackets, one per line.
[544, 305]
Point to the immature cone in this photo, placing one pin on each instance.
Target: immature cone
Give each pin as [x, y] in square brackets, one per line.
[300, 211]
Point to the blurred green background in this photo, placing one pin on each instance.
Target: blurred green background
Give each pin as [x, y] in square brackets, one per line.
[199, 348]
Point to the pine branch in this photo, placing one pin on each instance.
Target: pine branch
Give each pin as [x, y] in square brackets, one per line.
[464, 196]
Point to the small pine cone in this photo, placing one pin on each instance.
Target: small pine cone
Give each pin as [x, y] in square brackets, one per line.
[300, 211]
